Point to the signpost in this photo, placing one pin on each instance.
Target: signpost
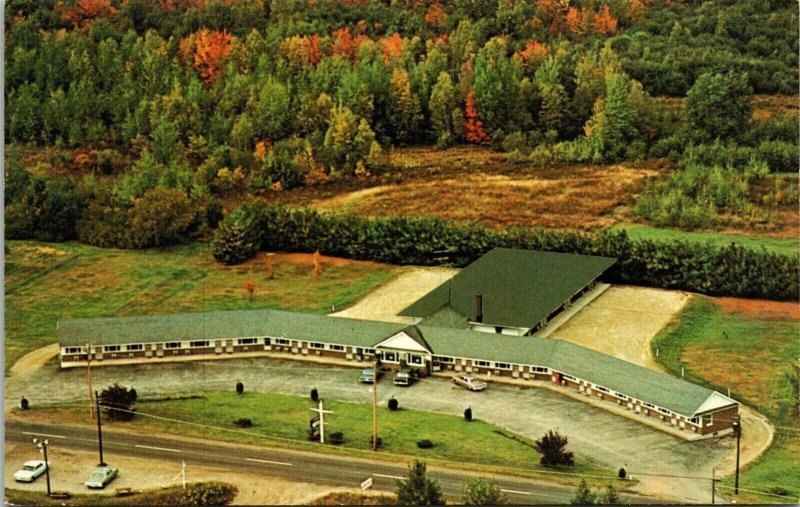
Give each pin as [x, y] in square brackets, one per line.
[366, 484]
[321, 413]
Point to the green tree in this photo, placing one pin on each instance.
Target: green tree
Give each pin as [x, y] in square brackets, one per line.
[442, 104]
[612, 121]
[610, 496]
[583, 495]
[417, 488]
[481, 492]
[405, 114]
[117, 402]
[552, 447]
[496, 80]
[161, 217]
[272, 111]
[348, 140]
[718, 106]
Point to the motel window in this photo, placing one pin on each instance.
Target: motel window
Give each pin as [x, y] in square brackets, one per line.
[708, 419]
[539, 369]
[133, 347]
[620, 395]
[111, 348]
[336, 347]
[282, 341]
[443, 359]
[694, 420]
[199, 343]
[664, 411]
[414, 359]
[502, 366]
[369, 351]
[246, 341]
[390, 356]
[267, 341]
[567, 377]
[73, 350]
[648, 405]
[601, 389]
[172, 345]
[316, 345]
[482, 363]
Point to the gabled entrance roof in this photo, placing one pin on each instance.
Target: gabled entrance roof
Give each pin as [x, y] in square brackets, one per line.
[409, 338]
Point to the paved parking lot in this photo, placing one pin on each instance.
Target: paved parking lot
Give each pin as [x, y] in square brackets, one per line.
[593, 433]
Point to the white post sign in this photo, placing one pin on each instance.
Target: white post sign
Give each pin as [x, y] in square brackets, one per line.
[321, 413]
[366, 484]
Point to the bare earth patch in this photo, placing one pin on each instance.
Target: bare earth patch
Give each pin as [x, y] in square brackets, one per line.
[759, 308]
[387, 301]
[622, 321]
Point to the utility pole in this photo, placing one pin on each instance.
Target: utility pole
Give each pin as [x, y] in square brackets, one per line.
[42, 445]
[321, 413]
[713, 485]
[89, 378]
[99, 430]
[737, 426]
[375, 406]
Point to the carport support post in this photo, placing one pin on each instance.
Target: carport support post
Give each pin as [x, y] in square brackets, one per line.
[713, 484]
[99, 430]
[737, 425]
[89, 378]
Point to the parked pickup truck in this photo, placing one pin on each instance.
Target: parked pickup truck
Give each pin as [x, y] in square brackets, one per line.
[367, 376]
[405, 377]
[470, 383]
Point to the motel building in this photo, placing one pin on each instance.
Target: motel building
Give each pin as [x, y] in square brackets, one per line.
[454, 337]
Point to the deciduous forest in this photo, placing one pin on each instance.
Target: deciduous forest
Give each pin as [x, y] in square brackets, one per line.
[139, 123]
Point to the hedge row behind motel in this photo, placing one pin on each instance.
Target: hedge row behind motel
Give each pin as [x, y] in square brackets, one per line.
[704, 268]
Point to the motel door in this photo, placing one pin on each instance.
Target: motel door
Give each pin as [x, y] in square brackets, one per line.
[159, 349]
[218, 346]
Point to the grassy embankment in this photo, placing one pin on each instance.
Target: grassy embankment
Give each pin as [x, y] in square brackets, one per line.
[48, 282]
[775, 245]
[281, 420]
[755, 355]
[172, 495]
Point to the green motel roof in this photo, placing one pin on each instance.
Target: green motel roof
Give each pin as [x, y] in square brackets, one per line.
[653, 387]
[519, 288]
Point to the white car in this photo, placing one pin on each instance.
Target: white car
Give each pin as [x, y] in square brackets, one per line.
[101, 476]
[470, 383]
[30, 471]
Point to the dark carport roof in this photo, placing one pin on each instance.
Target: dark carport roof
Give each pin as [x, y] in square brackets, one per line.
[519, 288]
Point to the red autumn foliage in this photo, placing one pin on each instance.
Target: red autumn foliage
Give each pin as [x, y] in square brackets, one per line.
[435, 15]
[604, 22]
[550, 7]
[473, 127]
[87, 10]
[577, 20]
[534, 53]
[207, 51]
[182, 5]
[392, 47]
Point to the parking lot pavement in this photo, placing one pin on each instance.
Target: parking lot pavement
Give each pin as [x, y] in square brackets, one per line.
[593, 433]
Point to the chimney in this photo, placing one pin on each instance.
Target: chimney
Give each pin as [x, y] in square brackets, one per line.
[479, 308]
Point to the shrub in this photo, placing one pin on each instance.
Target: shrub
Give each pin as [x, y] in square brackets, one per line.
[336, 438]
[425, 444]
[117, 402]
[552, 447]
[379, 441]
[780, 156]
[243, 423]
[393, 404]
[622, 473]
[239, 388]
[210, 493]
[314, 394]
[161, 217]
[312, 435]
[777, 490]
[468, 414]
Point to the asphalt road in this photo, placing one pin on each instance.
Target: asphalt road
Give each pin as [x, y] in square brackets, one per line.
[285, 464]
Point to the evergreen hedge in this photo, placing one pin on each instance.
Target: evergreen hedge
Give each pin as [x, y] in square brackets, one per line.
[698, 267]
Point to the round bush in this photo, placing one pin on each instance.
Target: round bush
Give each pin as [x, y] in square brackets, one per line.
[314, 394]
[24, 403]
[209, 493]
[243, 423]
[425, 444]
[622, 473]
[468, 414]
[239, 387]
[336, 438]
[380, 442]
[393, 404]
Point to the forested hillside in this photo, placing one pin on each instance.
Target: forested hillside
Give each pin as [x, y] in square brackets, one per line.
[130, 121]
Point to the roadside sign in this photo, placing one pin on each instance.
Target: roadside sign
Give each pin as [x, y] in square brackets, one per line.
[366, 484]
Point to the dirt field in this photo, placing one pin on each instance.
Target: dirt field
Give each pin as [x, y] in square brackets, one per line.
[759, 308]
[622, 321]
[67, 475]
[387, 301]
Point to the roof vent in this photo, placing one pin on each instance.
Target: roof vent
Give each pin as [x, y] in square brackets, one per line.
[479, 308]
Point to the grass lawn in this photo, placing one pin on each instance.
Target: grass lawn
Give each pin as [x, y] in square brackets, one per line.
[281, 420]
[48, 282]
[172, 495]
[756, 357]
[775, 245]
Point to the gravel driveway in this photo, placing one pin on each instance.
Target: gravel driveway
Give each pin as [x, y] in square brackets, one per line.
[593, 433]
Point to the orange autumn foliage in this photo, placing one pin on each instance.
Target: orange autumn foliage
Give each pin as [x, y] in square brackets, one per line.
[182, 5]
[207, 51]
[550, 7]
[392, 47]
[435, 15]
[578, 20]
[635, 10]
[534, 54]
[604, 22]
[473, 127]
[345, 45]
[301, 51]
[87, 10]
